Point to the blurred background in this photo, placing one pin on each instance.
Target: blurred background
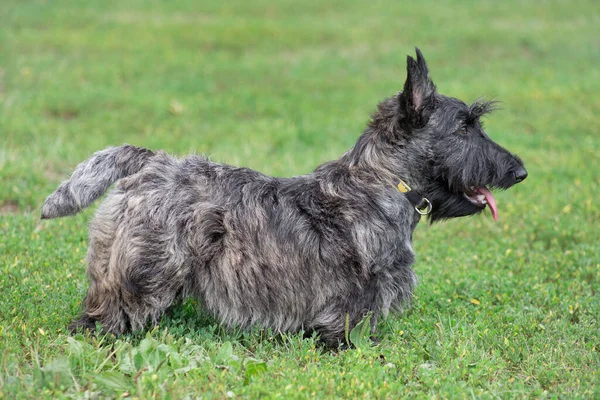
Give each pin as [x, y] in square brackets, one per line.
[282, 86]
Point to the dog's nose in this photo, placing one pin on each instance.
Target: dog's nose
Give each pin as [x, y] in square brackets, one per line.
[520, 175]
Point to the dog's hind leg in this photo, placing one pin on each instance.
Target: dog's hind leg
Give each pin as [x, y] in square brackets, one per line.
[136, 270]
[101, 301]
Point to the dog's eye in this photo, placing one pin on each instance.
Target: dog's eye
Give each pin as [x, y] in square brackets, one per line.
[462, 130]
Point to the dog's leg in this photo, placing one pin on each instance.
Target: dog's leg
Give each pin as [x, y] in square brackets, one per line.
[344, 314]
[136, 270]
[101, 303]
[333, 334]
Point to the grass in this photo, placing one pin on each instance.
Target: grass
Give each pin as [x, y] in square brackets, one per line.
[503, 310]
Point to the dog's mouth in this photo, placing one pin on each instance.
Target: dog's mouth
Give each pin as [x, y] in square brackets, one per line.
[481, 196]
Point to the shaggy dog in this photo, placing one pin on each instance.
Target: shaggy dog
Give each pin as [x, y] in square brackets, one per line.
[312, 252]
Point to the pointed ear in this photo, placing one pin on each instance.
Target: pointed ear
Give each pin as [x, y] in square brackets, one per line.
[418, 88]
[421, 63]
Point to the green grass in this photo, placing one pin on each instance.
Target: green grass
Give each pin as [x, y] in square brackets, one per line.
[503, 310]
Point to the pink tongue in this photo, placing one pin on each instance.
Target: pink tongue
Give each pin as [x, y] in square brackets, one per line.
[491, 201]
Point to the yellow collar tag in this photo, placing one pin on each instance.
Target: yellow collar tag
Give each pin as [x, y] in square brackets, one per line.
[403, 187]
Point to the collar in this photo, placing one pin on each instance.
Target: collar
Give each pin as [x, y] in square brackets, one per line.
[421, 204]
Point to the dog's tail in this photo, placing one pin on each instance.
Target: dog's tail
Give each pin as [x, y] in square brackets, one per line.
[93, 177]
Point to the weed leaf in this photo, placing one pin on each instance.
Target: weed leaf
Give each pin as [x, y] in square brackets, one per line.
[113, 380]
[360, 335]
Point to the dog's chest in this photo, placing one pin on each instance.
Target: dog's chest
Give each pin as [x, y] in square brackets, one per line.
[383, 235]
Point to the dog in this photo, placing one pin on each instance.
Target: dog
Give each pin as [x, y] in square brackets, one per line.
[312, 253]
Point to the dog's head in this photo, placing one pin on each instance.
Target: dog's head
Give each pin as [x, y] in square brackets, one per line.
[458, 162]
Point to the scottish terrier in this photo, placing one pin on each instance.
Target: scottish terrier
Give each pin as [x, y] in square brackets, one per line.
[315, 252]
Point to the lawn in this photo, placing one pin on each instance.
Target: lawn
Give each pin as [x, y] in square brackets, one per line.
[503, 310]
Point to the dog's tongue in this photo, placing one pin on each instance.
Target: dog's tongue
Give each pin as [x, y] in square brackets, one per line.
[491, 201]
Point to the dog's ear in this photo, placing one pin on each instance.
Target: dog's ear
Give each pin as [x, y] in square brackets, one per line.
[417, 96]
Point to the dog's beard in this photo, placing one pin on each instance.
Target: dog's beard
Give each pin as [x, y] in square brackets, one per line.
[447, 204]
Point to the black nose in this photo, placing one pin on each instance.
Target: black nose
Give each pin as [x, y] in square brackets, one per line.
[520, 175]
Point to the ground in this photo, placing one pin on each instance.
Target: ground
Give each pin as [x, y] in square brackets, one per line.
[507, 309]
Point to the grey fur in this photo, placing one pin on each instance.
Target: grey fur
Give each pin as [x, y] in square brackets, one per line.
[291, 254]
